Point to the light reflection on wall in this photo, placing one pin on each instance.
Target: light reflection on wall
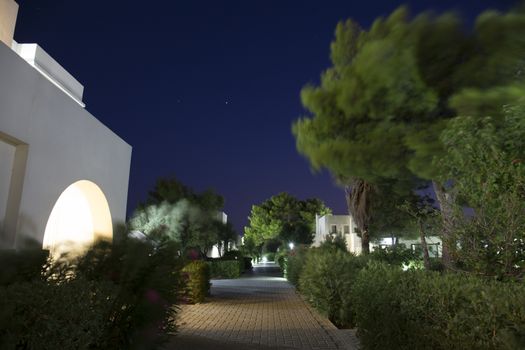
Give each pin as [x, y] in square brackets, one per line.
[80, 216]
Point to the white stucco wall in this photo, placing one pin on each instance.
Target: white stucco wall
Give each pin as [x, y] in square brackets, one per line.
[324, 227]
[8, 14]
[58, 143]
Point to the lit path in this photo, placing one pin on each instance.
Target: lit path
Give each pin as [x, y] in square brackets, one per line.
[259, 311]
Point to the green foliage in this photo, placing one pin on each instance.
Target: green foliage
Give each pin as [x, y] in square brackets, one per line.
[226, 268]
[335, 241]
[71, 315]
[485, 159]
[21, 266]
[172, 191]
[115, 296]
[176, 212]
[326, 277]
[225, 234]
[397, 255]
[379, 111]
[149, 286]
[240, 256]
[281, 258]
[422, 310]
[249, 248]
[197, 275]
[182, 222]
[285, 218]
[295, 263]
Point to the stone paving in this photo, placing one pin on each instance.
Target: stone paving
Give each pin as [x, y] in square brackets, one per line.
[262, 311]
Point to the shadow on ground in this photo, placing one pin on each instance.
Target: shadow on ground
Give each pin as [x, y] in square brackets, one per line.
[185, 342]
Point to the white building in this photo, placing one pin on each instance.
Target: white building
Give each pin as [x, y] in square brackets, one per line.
[63, 174]
[345, 225]
[337, 224]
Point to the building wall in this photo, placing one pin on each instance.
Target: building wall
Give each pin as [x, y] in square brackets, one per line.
[8, 14]
[324, 226]
[56, 143]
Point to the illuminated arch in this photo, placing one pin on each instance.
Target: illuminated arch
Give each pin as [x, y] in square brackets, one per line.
[80, 216]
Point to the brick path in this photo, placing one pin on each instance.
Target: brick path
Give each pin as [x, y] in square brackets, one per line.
[259, 311]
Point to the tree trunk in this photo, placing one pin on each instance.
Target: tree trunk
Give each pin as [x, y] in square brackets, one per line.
[358, 198]
[447, 214]
[365, 242]
[424, 246]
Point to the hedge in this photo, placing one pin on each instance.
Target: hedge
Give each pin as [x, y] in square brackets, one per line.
[197, 277]
[226, 268]
[116, 296]
[414, 309]
[326, 277]
[294, 264]
[428, 310]
[21, 266]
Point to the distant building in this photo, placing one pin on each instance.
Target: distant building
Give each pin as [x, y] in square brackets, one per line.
[215, 252]
[63, 175]
[344, 225]
[337, 224]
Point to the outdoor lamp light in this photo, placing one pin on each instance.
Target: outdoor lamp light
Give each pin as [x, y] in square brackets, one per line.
[291, 245]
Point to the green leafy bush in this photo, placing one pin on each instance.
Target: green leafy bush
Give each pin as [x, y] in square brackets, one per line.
[116, 296]
[294, 264]
[238, 255]
[232, 255]
[281, 258]
[270, 256]
[428, 310]
[247, 263]
[21, 266]
[149, 286]
[397, 255]
[197, 275]
[226, 268]
[71, 315]
[326, 277]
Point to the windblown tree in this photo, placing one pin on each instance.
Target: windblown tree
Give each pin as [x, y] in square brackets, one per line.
[284, 218]
[176, 212]
[486, 157]
[379, 111]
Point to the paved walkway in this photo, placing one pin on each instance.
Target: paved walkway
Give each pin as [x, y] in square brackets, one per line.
[259, 311]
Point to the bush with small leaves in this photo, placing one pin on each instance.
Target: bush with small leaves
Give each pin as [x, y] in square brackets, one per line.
[197, 276]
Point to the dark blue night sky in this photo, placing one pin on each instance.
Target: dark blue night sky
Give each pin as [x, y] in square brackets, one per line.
[206, 90]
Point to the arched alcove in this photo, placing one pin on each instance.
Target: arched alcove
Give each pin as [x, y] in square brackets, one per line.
[80, 216]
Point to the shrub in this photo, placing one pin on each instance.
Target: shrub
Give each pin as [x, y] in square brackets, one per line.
[397, 255]
[149, 285]
[428, 310]
[326, 278]
[270, 256]
[232, 255]
[238, 255]
[116, 296]
[197, 276]
[21, 266]
[294, 264]
[247, 263]
[72, 315]
[281, 258]
[226, 268]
